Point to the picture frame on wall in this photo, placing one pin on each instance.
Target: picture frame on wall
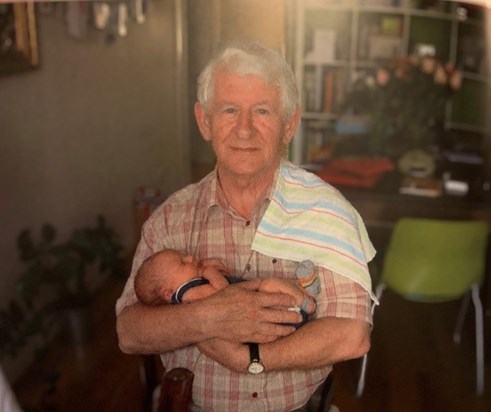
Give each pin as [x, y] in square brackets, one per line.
[18, 38]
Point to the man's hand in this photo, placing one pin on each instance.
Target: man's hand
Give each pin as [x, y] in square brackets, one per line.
[284, 286]
[239, 313]
[232, 355]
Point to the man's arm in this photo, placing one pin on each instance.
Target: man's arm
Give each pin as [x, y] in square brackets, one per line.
[343, 332]
[318, 343]
[237, 313]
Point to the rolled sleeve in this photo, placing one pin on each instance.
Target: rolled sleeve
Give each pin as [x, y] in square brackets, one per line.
[340, 297]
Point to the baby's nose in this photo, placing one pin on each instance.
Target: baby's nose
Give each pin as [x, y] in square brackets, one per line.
[188, 259]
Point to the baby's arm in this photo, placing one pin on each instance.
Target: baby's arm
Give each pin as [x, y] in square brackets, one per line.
[215, 276]
[197, 293]
[217, 282]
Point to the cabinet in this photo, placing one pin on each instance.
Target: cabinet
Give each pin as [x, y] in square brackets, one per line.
[338, 40]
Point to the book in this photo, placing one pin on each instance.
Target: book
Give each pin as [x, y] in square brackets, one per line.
[421, 186]
[329, 85]
[333, 89]
[310, 90]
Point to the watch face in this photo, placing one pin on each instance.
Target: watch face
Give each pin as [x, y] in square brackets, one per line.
[255, 367]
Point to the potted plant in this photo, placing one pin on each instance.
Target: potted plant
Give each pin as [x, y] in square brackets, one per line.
[56, 281]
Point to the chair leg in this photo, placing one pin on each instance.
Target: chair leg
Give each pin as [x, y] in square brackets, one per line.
[361, 381]
[479, 340]
[457, 334]
[360, 387]
[149, 376]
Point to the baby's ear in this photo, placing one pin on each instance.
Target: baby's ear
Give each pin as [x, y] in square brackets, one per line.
[166, 294]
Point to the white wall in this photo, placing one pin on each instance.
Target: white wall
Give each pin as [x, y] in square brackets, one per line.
[79, 135]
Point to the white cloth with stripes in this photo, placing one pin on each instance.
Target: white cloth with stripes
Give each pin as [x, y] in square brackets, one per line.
[310, 219]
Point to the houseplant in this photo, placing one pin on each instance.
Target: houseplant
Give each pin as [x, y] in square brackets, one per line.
[56, 280]
[404, 101]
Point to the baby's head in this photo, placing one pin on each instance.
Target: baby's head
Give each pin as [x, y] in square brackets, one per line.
[161, 274]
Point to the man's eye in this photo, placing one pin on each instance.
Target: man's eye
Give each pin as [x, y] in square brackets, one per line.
[263, 111]
[229, 110]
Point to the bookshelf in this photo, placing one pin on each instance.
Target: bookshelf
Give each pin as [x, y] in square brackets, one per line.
[336, 40]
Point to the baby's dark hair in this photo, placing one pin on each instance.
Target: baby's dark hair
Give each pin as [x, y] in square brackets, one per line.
[148, 282]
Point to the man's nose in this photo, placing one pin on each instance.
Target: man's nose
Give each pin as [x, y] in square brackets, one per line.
[245, 125]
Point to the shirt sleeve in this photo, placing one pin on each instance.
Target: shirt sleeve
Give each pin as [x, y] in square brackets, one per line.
[151, 241]
[341, 297]
[128, 297]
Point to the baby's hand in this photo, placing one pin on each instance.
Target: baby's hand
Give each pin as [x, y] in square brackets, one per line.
[215, 276]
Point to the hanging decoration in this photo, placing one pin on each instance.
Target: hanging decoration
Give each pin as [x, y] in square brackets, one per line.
[112, 17]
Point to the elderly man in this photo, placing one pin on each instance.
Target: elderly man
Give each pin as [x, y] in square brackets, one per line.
[260, 215]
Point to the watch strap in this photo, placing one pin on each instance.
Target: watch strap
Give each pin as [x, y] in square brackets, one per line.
[253, 352]
[255, 365]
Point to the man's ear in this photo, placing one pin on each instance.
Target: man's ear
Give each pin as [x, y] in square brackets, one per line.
[291, 126]
[203, 121]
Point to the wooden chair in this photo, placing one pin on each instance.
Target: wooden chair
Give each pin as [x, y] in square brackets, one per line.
[176, 391]
[165, 391]
[151, 372]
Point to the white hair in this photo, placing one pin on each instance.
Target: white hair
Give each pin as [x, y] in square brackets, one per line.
[246, 58]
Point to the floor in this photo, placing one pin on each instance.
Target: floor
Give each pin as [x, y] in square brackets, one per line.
[413, 366]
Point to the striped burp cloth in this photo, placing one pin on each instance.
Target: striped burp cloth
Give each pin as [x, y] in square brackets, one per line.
[309, 219]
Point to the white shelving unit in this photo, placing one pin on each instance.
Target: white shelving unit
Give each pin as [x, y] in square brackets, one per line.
[336, 39]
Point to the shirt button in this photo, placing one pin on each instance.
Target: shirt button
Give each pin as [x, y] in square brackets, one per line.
[254, 394]
[248, 223]
[248, 267]
[275, 260]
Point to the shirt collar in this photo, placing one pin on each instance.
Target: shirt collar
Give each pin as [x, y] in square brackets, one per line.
[217, 198]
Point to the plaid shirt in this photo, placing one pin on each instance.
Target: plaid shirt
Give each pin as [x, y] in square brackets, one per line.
[198, 221]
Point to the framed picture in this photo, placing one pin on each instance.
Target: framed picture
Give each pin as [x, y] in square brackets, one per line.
[18, 38]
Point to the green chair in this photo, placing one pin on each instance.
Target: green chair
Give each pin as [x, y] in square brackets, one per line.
[437, 261]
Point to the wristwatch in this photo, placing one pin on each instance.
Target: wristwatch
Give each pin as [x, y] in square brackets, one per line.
[255, 365]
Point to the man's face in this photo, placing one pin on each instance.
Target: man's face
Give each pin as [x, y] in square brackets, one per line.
[246, 125]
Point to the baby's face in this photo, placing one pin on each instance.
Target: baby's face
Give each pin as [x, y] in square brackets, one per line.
[179, 268]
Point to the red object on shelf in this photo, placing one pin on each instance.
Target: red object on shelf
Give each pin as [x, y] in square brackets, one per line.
[356, 171]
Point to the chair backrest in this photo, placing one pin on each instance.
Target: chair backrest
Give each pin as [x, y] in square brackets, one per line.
[176, 391]
[435, 260]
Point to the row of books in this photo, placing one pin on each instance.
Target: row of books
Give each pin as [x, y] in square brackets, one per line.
[324, 90]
